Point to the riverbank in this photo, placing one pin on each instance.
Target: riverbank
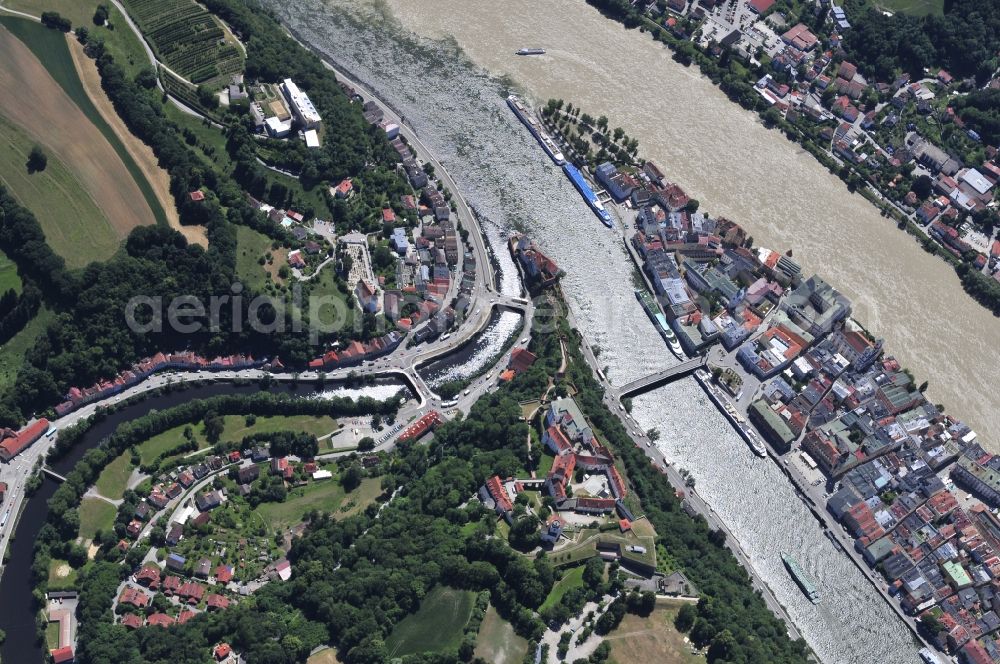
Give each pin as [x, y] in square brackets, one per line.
[831, 528]
[696, 505]
[853, 170]
[758, 442]
[714, 149]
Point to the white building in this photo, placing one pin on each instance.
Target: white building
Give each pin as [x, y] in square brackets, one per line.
[302, 107]
[312, 138]
[278, 128]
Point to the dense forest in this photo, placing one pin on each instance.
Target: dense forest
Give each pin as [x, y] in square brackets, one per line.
[963, 40]
[272, 56]
[980, 110]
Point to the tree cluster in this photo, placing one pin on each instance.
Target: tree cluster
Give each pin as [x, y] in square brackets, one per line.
[962, 40]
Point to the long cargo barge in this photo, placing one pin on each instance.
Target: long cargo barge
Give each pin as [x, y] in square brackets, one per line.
[746, 431]
[660, 321]
[805, 583]
[576, 177]
[525, 115]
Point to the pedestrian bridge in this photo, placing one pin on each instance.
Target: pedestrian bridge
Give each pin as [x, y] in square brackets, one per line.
[53, 474]
[653, 381]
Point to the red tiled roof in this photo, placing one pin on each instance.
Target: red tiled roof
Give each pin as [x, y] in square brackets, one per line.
[216, 601]
[223, 574]
[132, 621]
[499, 493]
[421, 426]
[134, 597]
[15, 444]
[62, 655]
[149, 574]
[521, 359]
[559, 438]
[161, 619]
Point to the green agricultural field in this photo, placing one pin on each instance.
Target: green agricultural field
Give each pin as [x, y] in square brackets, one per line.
[51, 49]
[188, 39]
[113, 480]
[123, 43]
[74, 226]
[435, 627]
[95, 514]
[12, 353]
[120, 41]
[325, 496]
[79, 13]
[497, 641]
[573, 578]
[8, 272]
[912, 7]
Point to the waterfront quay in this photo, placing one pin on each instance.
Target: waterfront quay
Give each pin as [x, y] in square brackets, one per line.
[903, 489]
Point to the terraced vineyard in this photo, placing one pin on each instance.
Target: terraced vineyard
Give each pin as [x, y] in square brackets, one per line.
[183, 91]
[187, 39]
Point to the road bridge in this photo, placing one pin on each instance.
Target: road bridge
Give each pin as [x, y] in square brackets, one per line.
[660, 378]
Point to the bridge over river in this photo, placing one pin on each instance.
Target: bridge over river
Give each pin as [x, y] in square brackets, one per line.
[661, 378]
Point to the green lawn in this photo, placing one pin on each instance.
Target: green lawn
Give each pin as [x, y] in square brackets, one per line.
[235, 430]
[250, 247]
[652, 638]
[573, 578]
[576, 553]
[8, 275]
[52, 635]
[545, 463]
[12, 352]
[121, 43]
[95, 514]
[497, 642]
[324, 286]
[61, 575]
[51, 49]
[912, 7]
[328, 656]
[74, 225]
[113, 480]
[435, 627]
[325, 496]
